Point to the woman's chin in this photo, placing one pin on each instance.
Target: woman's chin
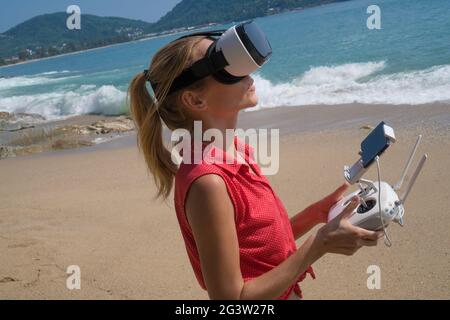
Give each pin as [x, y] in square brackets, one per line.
[249, 105]
[251, 101]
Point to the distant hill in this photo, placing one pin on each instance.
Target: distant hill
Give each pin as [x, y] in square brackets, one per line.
[47, 35]
[201, 12]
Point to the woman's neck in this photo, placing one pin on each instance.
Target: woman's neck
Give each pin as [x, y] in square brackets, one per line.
[222, 124]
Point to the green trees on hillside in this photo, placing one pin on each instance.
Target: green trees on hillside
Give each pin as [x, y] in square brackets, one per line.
[47, 35]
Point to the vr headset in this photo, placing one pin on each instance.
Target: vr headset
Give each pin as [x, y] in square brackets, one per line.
[234, 54]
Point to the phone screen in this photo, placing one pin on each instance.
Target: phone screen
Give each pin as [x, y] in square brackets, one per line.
[375, 144]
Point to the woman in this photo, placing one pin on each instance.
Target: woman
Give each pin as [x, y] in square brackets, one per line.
[239, 239]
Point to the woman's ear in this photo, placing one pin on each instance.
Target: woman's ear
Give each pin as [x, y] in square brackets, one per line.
[193, 100]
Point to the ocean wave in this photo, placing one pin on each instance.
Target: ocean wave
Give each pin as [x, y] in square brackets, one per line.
[357, 83]
[25, 81]
[54, 72]
[348, 83]
[9, 83]
[106, 100]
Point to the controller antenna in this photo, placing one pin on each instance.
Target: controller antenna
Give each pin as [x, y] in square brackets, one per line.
[413, 180]
[398, 185]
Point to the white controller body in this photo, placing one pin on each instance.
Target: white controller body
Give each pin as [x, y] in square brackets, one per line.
[369, 217]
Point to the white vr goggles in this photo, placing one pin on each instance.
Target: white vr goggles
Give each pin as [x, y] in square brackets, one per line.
[234, 54]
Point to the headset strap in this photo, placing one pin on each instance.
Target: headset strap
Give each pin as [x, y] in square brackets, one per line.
[214, 33]
[202, 68]
[212, 63]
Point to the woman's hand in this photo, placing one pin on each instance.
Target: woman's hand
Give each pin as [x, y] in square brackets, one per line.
[316, 213]
[323, 206]
[340, 236]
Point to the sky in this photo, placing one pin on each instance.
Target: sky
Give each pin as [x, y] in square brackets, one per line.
[16, 11]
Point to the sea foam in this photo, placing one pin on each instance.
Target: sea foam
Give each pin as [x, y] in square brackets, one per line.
[106, 100]
[347, 83]
[357, 82]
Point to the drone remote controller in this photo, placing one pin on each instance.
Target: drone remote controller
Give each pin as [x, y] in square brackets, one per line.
[379, 202]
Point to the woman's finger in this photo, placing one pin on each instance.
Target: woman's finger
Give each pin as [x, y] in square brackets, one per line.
[349, 208]
[337, 194]
[368, 234]
[348, 251]
[368, 243]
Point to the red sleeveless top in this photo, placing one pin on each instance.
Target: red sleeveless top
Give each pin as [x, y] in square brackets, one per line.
[263, 227]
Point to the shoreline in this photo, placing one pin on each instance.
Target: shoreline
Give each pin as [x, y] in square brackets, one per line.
[81, 51]
[103, 47]
[69, 53]
[289, 120]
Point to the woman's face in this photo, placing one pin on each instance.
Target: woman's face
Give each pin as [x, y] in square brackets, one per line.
[222, 98]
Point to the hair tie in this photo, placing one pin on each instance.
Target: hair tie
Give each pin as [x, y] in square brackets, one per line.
[146, 75]
[147, 78]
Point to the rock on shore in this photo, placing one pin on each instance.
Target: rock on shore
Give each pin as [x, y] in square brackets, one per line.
[22, 134]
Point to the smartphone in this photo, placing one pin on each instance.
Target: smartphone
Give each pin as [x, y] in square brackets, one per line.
[373, 145]
[376, 143]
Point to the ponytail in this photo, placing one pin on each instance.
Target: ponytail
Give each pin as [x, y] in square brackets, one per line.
[149, 127]
[149, 112]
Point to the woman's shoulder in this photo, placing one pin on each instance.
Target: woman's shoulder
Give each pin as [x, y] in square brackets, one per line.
[209, 180]
[189, 171]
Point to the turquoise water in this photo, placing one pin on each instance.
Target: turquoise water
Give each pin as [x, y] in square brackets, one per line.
[323, 55]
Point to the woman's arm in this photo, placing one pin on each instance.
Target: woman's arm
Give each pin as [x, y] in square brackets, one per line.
[316, 213]
[304, 221]
[210, 214]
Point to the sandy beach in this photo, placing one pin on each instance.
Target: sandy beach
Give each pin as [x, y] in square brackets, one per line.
[94, 207]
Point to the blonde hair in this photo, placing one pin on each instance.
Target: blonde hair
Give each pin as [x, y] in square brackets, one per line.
[150, 111]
